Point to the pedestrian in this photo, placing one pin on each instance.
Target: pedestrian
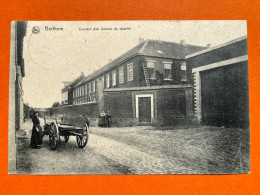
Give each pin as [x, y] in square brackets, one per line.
[62, 118]
[103, 118]
[36, 138]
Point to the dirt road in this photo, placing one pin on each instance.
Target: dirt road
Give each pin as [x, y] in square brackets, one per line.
[141, 150]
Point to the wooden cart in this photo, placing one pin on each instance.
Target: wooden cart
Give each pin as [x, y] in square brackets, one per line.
[67, 128]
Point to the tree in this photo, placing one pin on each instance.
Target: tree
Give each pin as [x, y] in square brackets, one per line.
[55, 104]
[159, 78]
[26, 108]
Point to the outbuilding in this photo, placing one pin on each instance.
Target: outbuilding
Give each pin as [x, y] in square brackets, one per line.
[219, 76]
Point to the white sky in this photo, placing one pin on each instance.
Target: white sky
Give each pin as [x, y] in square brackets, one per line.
[52, 57]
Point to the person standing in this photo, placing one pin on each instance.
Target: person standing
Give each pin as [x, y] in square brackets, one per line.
[36, 138]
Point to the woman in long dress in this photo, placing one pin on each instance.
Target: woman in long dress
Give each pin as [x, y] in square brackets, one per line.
[36, 138]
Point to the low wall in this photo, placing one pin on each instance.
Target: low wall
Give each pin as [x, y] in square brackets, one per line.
[77, 111]
[172, 105]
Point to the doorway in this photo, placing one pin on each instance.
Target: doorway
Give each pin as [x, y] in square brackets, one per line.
[144, 108]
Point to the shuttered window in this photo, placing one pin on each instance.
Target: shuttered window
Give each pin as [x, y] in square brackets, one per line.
[121, 75]
[130, 72]
[114, 78]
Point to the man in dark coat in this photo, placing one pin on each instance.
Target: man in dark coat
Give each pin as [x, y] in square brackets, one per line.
[36, 138]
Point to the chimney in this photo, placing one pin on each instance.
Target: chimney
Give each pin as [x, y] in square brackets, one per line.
[141, 40]
[209, 45]
[82, 73]
[183, 42]
[109, 60]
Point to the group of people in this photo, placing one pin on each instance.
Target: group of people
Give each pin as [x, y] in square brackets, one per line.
[37, 133]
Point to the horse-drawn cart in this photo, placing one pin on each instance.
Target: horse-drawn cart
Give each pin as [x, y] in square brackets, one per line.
[68, 127]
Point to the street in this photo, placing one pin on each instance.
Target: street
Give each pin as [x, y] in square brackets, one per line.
[140, 150]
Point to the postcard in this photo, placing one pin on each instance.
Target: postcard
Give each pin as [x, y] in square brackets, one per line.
[129, 98]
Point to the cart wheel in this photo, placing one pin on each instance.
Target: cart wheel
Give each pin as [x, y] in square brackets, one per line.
[54, 136]
[82, 140]
[66, 138]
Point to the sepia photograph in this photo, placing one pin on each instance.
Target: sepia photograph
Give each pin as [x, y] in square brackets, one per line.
[129, 98]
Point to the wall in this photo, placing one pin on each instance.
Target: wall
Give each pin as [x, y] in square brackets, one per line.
[224, 96]
[74, 111]
[159, 68]
[172, 106]
[224, 53]
[119, 105]
[134, 82]
[12, 101]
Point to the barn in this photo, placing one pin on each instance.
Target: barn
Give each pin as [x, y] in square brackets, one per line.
[219, 76]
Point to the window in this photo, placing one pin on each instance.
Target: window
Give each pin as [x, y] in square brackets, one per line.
[107, 81]
[113, 78]
[183, 71]
[183, 65]
[150, 69]
[94, 86]
[89, 88]
[130, 72]
[86, 89]
[121, 75]
[167, 70]
[103, 80]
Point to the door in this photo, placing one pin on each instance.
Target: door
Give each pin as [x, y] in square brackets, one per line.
[144, 105]
[212, 96]
[224, 96]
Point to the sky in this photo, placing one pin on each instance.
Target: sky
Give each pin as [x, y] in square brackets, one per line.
[54, 56]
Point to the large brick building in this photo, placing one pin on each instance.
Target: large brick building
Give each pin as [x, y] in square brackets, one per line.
[146, 85]
[220, 79]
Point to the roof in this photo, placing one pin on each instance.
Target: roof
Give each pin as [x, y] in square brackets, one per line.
[153, 48]
[169, 49]
[74, 82]
[217, 47]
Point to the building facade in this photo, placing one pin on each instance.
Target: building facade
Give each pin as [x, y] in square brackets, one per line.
[220, 79]
[146, 85]
[68, 90]
[17, 72]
